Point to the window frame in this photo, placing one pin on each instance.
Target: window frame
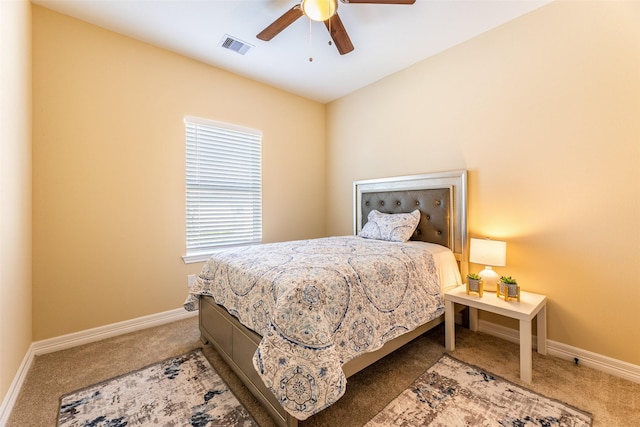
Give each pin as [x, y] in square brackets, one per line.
[206, 172]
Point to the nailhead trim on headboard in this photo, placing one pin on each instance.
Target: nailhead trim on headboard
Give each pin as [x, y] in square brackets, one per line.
[434, 205]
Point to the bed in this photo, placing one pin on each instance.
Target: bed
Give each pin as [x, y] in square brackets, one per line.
[316, 329]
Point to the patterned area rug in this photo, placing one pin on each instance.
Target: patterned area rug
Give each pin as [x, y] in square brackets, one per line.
[182, 391]
[452, 393]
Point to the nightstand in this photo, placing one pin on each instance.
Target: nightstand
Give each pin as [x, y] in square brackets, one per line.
[530, 306]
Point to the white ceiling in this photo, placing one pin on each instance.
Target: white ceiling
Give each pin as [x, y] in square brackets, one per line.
[387, 38]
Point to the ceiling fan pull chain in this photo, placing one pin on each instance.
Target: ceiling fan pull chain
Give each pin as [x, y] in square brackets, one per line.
[330, 34]
[310, 43]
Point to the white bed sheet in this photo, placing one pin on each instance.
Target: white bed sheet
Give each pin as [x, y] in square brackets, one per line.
[446, 264]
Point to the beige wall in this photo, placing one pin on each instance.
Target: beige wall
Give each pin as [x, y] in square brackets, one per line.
[15, 188]
[108, 170]
[544, 113]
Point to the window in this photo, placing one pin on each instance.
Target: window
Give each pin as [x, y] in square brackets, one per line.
[224, 187]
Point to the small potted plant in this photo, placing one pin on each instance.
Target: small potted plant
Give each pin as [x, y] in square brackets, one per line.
[475, 284]
[508, 288]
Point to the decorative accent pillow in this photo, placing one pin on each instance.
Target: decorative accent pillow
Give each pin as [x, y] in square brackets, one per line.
[391, 227]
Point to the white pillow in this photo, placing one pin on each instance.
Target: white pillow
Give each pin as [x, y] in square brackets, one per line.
[391, 227]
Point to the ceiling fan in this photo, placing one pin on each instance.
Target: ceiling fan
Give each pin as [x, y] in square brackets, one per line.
[323, 11]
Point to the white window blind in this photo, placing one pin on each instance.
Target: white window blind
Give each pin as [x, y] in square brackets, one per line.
[224, 186]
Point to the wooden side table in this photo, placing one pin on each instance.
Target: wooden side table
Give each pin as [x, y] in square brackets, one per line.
[530, 306]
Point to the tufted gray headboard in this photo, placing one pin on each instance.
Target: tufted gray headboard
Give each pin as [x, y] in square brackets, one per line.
[434, 205]
[440, 197]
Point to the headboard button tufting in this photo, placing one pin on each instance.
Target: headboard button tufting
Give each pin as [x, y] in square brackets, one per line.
[432, 203]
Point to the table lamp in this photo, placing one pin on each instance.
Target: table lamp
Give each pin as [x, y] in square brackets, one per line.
[491, 253]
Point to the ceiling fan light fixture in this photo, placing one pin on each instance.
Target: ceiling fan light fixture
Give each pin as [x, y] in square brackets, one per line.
[319, 10]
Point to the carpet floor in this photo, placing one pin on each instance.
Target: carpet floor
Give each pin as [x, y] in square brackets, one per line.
[612, 401]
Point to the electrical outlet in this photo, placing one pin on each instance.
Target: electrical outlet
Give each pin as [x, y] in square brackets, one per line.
[191, 278]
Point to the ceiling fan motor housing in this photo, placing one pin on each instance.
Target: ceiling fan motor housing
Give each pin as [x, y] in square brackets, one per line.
[319, 10]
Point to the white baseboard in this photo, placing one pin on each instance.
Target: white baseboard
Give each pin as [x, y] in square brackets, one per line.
[597, 361]
[79, 338]
[507, 334]
[96, 334]
[602, 363]
[15, 387]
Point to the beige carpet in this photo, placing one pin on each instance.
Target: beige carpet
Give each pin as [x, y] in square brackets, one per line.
[614, 402]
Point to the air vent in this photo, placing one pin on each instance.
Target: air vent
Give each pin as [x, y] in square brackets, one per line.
[235, 44]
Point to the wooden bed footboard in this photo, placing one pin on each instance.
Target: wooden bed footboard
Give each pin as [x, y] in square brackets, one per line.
[237, 345]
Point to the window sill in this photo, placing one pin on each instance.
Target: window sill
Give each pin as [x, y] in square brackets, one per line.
[204, 256]
[198, 257]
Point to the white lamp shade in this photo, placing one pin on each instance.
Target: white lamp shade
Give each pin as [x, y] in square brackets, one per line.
[488, 252]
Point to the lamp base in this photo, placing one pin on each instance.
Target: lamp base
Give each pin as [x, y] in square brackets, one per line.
[490, 279]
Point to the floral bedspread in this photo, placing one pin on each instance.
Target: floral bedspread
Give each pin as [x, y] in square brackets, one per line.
[318, 304]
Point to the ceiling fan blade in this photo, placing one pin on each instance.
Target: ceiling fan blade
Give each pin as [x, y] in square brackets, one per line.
[339, 34]
[288, 18]
[380, 1]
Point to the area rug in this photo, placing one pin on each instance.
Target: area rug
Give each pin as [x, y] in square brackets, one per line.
[452, 393]
[181, 391]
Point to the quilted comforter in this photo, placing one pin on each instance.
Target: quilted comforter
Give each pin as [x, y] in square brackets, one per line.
[318, 304]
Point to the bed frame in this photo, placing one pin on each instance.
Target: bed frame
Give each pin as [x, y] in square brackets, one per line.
[442, 201]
